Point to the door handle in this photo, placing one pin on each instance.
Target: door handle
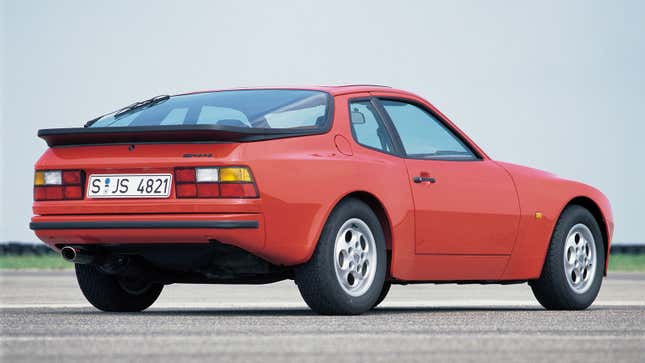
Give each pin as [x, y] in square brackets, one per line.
[423, 179]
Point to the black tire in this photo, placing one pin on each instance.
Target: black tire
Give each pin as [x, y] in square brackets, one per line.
[107, 293]
[316, 279]
[552, 289]
[386, 288]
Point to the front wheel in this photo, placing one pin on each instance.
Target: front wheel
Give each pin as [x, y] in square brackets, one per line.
[111, 293]
[346, 273]
[384, 291]
[574, 265]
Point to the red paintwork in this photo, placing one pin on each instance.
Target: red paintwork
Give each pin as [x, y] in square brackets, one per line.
[476, 223]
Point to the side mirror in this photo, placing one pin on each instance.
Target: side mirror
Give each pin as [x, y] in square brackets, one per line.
[357, 118]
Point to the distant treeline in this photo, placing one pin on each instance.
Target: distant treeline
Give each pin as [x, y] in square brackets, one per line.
[22, 248]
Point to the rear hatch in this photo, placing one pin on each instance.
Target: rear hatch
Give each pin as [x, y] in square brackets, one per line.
[180, 154]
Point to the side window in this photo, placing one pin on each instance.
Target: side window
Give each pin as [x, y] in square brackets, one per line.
[423, 135]
[368, 128]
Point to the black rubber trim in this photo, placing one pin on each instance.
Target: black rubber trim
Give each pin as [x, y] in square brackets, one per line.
[146, 225]
[162, 134]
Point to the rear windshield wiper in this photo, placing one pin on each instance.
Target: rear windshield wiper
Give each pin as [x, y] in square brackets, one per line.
[135, 106]
[138, 105]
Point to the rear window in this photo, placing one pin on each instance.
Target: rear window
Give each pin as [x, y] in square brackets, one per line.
[264, 109]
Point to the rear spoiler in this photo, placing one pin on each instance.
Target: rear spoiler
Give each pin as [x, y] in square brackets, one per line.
[163, 134]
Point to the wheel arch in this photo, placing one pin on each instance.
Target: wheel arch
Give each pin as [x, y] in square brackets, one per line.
[377, 207]
[593, 207]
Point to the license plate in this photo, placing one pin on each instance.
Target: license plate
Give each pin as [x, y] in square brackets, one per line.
[129, 186]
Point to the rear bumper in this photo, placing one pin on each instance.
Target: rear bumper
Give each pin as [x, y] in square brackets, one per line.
[245, 230]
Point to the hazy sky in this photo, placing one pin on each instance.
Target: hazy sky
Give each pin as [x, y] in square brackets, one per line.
[557, 85]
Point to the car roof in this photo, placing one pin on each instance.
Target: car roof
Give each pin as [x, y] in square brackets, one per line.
[334, 90]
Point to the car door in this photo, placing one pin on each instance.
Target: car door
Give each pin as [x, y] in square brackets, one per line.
[465, 204]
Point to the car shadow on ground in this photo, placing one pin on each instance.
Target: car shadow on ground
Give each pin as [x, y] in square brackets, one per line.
[286, 312]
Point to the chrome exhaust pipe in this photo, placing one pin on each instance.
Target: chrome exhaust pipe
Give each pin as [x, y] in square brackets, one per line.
[77, 255]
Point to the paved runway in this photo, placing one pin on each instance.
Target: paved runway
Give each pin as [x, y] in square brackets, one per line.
[44, 316]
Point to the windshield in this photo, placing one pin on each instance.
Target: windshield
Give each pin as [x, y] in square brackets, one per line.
[267, 109]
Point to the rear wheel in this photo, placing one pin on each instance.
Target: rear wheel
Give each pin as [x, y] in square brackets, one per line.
[345, 275]
[574, 265]
[112, 293]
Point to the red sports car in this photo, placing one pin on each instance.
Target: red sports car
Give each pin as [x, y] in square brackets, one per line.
[346, 190]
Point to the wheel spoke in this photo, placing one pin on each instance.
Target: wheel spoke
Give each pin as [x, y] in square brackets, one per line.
[357, 242]
[352, 237]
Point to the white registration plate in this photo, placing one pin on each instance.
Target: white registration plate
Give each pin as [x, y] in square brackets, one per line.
[129, 186]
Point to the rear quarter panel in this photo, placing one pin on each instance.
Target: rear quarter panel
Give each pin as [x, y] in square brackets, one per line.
[545, 193]
[301, 180]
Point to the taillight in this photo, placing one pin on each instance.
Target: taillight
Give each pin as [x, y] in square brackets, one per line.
[222, 182]
[58, 185]
[185, 175]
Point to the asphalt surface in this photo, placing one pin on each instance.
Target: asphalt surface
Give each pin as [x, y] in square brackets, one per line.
[43, 316]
